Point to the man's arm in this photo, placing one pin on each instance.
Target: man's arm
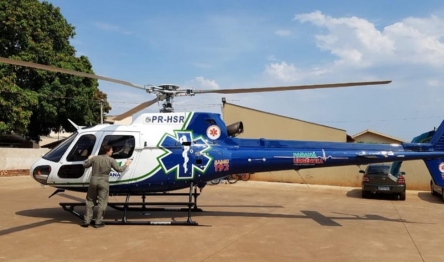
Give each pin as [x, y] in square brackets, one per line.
[116, 166]
[88, 162]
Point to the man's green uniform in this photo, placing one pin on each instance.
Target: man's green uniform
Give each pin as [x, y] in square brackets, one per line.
[99, 185]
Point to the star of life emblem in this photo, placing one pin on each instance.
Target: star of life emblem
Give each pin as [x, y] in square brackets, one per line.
[183, 165]
[213, 132]
[441, 167]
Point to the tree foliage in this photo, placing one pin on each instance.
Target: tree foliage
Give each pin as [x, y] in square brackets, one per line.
[34, 102]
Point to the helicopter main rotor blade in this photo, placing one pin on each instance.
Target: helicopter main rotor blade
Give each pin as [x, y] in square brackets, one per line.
[287, 88]
[135, 109]
[66, 71]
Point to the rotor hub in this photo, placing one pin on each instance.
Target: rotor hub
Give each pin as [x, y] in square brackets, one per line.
[166, 92]
[169, 87]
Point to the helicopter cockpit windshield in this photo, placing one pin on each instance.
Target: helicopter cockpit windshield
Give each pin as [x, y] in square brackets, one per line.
[56, 154]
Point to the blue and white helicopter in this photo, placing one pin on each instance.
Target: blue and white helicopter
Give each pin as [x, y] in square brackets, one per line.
[172, 150]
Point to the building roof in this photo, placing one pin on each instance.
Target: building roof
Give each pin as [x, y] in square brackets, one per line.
[376, 133]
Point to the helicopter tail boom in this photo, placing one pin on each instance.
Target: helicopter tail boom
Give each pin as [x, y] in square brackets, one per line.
[260, 155]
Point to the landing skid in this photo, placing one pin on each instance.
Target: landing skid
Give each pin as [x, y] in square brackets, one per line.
[142, 206]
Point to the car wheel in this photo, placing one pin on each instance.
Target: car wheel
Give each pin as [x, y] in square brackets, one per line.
[402, 196]
[365, 194]
[442, 194]
[432, 190]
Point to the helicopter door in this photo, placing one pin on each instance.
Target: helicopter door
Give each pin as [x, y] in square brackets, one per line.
[71, 170]
[123, 144]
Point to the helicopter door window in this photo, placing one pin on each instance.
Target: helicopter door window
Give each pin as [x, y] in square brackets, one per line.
[123, 146]
[82, 149]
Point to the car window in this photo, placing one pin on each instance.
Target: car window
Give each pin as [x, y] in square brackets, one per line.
[378, 170]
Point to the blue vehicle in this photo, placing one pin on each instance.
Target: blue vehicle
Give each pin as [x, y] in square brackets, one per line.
[173, 151]
[170, 156]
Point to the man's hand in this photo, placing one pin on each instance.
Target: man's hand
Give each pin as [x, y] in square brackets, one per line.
[128, 162]
[91, 156]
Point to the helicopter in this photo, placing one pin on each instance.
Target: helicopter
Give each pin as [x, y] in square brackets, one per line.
[185, 150]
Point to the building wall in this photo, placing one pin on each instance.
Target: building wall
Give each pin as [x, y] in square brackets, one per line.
[17, 161]
[417, 175]
[125, 121]
[259, 124]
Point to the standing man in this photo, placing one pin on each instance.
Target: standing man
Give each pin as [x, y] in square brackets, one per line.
[98, 189]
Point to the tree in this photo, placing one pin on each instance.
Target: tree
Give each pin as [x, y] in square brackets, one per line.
[35, 102]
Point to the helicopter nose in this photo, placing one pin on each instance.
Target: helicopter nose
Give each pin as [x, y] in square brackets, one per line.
[40, 172]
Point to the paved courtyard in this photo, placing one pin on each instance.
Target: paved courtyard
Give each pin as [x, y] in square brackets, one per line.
[247, 221]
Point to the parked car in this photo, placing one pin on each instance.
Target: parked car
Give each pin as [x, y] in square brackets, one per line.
[377, 179]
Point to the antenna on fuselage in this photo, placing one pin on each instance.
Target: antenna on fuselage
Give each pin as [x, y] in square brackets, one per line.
[74, 124]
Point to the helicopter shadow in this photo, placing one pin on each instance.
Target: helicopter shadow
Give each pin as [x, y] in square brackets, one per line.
[241, 206]
[316, 216]
[58, 215]
[52, 214]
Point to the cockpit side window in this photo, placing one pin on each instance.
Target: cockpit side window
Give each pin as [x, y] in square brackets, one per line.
[56, 154]
[82, 149]
[123, 146]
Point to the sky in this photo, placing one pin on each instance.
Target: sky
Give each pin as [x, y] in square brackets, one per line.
[206, 44]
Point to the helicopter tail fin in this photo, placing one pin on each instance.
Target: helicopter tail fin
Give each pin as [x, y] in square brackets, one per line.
[437, 139]
[436, 165]
[436, 169]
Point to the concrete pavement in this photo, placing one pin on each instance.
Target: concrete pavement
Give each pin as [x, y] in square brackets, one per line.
[247, 221]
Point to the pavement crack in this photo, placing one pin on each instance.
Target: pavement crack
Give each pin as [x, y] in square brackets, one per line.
[408, 232]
